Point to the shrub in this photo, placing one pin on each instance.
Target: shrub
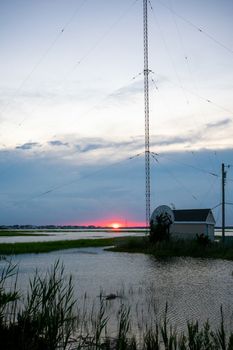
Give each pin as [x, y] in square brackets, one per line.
[203, 240]
[160, 228]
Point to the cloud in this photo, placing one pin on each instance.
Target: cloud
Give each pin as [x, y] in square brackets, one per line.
[219, 123]
[73, 194]
[58, 143]
[93, 144]
[136, 88]
[28, 146]
[92, 147]
[168, 141]
[103, 145]
[133, 144]
[128, 91]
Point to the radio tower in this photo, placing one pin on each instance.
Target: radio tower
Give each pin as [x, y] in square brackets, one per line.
[146, 104]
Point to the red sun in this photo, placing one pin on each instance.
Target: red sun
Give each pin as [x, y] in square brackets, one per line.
[116, 225]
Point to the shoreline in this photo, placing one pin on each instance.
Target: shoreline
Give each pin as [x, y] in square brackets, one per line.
[49, 246]
[126, 244]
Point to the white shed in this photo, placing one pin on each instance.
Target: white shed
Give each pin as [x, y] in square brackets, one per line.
[190, 222]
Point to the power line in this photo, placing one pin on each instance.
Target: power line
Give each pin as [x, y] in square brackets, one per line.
[109, 95]
[106, 33]
[200, 30]
[106, 97]
[207, 100]
[65, 184]
[218, 212]
[84, 56]
[180, 84]
[155, 155]
[154, 83]
[46, 52]
[210, 189]
[216, 206]
[210, 101]
[175, 178]
[169, 54]
[112, 93]
[188, 165]
[185, 55]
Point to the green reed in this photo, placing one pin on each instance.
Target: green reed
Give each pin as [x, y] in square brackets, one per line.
[49, 318]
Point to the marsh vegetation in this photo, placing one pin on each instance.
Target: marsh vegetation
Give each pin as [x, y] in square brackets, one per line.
[160, 249]
[49, 246]
[17, 233]
[170, 248]
[49, 317]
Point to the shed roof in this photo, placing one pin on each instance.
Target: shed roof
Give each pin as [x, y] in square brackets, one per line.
[193, 215]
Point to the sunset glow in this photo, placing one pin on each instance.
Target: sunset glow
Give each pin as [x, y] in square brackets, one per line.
[115, 225]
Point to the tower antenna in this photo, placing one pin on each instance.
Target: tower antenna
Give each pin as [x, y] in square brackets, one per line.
[146, 106]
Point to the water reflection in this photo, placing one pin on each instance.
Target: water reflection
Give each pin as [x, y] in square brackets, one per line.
[82, 233]
[69, 235]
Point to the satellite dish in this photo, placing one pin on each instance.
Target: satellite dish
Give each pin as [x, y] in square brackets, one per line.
[165, 211]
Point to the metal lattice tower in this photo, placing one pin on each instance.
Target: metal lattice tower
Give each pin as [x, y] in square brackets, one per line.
[147, 119]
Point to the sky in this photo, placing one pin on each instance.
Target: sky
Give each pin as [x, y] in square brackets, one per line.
[72, 109]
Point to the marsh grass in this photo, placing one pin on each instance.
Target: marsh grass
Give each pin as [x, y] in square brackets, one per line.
[164, 249]
[49, 318]
[45, 247]
[20, 234]
[45, 319]
[172, 248]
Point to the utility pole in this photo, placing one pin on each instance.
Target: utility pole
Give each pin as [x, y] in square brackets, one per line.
[146, 106]
[224, 174]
